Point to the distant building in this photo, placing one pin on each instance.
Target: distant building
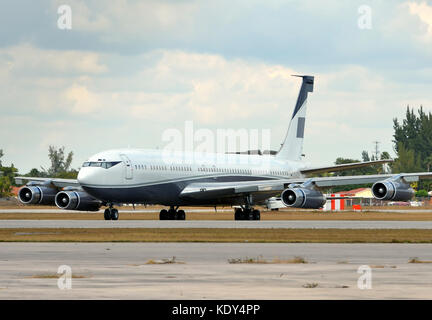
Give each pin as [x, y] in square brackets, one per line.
[362, 196]
[359, 196]
[15, 190]
[359, 192]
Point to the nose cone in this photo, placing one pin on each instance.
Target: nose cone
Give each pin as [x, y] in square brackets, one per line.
[86, 176]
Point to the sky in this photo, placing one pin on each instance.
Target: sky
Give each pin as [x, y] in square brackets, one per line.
[125, 72]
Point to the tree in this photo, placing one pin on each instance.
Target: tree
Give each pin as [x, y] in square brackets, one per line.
[35, 173]
[421, 193]
[59, 165]
[429, 163]
[413, 143]
[9, 173]
[415, 133]
[385, 155]
[407, 161]
[6, 178]
[5, 186]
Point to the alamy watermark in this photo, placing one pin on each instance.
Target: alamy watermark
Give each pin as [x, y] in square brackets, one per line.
[213, 146]
[64, 282]
[365, 280]
[364, 21]
[64, 21]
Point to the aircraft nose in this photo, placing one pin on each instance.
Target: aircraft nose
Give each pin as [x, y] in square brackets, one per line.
[85, 176]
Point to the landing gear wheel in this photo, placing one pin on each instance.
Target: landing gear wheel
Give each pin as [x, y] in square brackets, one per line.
[248, 214]
[172, 214]
[107, 214]
[114, 214]
[244, 215]
[181, 215]
[163, 215]
[238, 214]
[256, 215]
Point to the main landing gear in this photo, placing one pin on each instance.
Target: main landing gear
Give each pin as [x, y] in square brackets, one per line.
[111, 213]
[247, 212]
[172, 214]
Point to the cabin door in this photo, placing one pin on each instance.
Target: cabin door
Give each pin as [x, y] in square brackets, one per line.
[128, 167]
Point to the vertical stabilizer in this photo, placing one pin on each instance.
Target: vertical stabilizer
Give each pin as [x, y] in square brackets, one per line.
[292, 146]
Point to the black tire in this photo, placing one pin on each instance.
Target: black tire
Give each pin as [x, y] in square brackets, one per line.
[250, 215]
[163, 215]
[256, 215]
[114, 214]
[107, 214]
[246, 214]
[181, 215]
[238, 213]
[172, 215]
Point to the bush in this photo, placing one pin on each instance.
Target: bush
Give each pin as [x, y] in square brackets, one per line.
[421, 193]
[5, 187]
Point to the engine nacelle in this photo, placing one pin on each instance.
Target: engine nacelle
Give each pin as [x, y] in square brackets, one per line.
[37, 195]
[392, 189]
[76, 200]
[303, 198]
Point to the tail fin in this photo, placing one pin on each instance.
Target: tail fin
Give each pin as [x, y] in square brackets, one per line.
[292, 147]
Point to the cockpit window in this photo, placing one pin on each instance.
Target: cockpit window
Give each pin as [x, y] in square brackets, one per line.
[105, 164]
[108, 165]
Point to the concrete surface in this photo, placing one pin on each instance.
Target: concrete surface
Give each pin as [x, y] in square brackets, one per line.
[129, 209]
[296, 224]
[119, 271]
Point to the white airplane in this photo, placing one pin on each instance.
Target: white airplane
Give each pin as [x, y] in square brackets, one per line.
[196, 179]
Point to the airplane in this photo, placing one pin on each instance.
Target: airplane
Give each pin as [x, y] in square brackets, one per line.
[240, 180]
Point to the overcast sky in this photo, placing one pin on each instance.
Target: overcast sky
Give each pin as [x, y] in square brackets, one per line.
[128, 70]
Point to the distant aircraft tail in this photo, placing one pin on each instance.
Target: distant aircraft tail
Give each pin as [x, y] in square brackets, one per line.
[292, 146]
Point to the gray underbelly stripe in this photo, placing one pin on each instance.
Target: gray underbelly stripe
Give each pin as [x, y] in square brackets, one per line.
[252, 178]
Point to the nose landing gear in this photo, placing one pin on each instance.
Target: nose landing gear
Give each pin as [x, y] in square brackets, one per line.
[111, 213]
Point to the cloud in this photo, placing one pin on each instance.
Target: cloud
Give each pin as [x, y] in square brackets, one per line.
[122, 20]
[83, 101]
[424, 12]
[351, 105]
[26, 58]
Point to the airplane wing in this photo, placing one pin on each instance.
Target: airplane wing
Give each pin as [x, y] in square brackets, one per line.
[56, 182]
[209, 190]
[345, 166]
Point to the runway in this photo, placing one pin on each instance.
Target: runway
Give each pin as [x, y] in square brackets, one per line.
[268, 224]
[130, 210]
[119, 271]
[121, 210]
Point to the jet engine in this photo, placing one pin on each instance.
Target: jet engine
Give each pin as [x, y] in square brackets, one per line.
[37, 194]
[303, 198]
[392, 189]
[76, 200]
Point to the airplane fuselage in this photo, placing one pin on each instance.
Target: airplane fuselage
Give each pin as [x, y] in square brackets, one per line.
[158, 176]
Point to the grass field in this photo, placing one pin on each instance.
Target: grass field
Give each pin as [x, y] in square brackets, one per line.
[218, 235]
